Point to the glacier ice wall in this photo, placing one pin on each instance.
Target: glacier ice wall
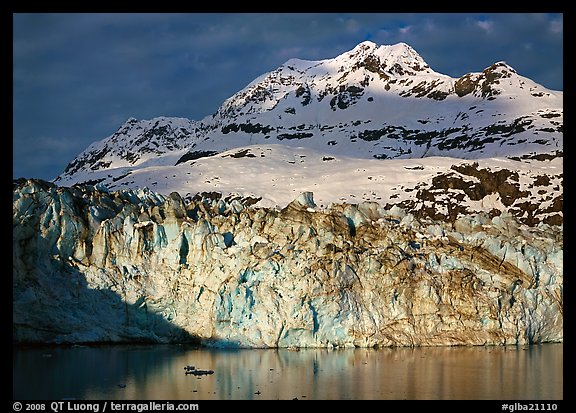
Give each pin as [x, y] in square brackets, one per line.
[91, 265]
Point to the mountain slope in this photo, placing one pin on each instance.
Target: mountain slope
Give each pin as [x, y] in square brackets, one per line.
[319, 125]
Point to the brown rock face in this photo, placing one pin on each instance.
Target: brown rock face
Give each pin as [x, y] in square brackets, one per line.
[445, 198]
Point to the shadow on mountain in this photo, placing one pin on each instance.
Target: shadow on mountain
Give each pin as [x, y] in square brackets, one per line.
[53, 303]
[71, 341]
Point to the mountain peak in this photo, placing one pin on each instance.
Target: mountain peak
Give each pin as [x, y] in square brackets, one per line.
[399, 49]
[501, 66]
[397, 58]
[373, 102]
[365, 45]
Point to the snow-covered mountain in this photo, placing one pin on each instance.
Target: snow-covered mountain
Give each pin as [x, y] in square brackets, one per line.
[358, 201]
[373, 124]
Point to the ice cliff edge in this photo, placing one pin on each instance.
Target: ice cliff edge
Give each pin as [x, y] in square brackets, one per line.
[90, 265]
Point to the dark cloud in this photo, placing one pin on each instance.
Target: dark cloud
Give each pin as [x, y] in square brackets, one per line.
[78, 77]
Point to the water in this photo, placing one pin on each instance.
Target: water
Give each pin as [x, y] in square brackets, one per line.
[156, 372]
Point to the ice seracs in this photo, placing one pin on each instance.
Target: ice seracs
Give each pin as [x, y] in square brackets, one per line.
[153, 268]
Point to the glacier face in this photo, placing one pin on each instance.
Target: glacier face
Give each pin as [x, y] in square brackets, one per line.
[90, 265]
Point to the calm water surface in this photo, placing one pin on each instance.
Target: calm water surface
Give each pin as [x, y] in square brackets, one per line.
[156, 372]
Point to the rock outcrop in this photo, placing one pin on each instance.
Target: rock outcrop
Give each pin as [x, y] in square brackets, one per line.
[91, 265]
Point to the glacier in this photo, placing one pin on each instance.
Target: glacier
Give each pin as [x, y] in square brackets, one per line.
[92, 265]
[359, 201]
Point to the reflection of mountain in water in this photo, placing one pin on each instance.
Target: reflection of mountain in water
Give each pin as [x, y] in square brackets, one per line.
[156, 372]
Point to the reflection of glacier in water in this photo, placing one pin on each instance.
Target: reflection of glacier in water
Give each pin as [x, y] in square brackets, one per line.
[157, 372]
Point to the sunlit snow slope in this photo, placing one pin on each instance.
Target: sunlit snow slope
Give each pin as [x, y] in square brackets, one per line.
[375, 123]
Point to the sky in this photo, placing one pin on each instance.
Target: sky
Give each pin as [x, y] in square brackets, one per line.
[77, 77]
